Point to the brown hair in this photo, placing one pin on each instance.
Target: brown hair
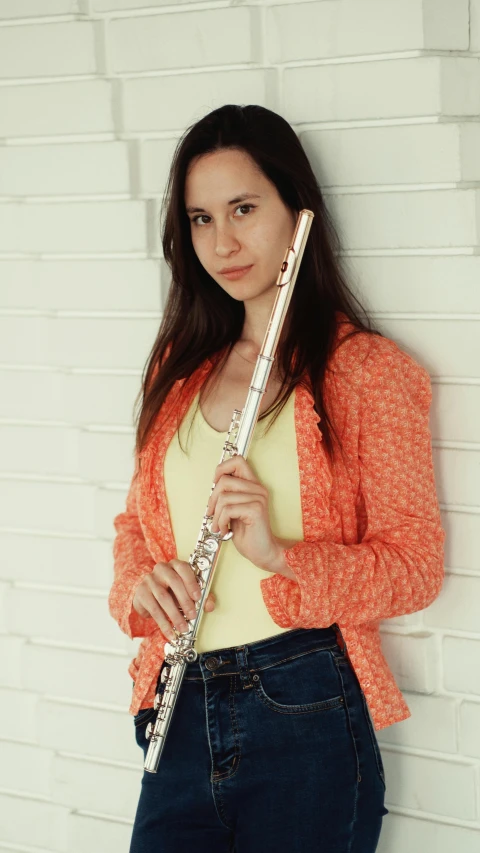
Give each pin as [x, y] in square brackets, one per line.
[200, 319]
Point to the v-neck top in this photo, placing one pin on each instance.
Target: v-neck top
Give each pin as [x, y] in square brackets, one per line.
[240, 615]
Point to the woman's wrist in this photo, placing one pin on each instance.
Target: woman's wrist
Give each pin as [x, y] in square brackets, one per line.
[278, 564]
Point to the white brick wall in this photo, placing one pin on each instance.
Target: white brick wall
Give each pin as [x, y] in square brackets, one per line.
[385, 96]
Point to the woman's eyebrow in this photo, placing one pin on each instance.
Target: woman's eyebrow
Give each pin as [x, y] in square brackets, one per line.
[235, 200]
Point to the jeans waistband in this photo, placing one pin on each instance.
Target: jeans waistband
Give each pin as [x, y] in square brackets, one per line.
[250, 657]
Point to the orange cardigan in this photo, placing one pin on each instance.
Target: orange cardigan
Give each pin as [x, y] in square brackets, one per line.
[373, 541]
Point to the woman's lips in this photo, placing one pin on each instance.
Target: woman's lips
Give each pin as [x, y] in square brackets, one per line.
[232, 276]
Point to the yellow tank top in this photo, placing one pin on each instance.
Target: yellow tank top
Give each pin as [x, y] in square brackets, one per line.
[240, 615]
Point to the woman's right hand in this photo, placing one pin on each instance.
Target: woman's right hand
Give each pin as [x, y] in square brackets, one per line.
[165, 591]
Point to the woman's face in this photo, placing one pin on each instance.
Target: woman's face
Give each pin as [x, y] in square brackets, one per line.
[237, 219]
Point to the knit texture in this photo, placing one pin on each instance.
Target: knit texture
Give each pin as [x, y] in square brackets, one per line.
[373, 540]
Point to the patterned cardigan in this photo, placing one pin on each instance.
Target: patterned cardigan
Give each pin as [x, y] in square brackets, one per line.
[373, 543]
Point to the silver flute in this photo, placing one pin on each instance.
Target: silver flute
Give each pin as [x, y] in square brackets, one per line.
[204, 558]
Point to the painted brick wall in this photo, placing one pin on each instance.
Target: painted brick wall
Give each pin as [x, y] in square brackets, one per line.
[385, 96]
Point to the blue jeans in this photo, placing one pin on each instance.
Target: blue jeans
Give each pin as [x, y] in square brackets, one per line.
[270, 750]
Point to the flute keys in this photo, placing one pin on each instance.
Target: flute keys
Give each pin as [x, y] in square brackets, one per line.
[157, 701]
[210, 545]
[203, 563]
[149, 731]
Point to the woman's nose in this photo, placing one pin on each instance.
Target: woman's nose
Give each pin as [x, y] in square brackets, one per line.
[226, 242]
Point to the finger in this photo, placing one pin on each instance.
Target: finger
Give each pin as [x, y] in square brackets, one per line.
[187, 574]
[233, 486]
[236, 465]
[151, 604]
[230, 500]
[173, 604]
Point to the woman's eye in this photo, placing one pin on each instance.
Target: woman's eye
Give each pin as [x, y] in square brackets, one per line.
[196, 219]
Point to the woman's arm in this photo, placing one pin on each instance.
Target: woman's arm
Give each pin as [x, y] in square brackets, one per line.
[398, 566]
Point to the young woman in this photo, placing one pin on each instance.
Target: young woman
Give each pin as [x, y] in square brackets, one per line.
[336, 525]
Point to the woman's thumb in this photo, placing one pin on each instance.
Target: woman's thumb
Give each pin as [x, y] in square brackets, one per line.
[210, 602]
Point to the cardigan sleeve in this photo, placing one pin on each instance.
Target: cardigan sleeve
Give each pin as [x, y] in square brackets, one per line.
[131, 562]
[131, 558]
[397, 567]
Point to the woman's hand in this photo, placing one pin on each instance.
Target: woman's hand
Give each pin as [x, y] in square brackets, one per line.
[166, 593]
[239, 500]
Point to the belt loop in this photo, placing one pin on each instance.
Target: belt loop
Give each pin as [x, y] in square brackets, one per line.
[340, 638]
[242, 653]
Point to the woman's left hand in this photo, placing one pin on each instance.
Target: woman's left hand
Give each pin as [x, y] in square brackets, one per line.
[241, 502]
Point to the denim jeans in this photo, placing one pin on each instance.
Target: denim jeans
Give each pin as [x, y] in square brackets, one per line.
[270, 749]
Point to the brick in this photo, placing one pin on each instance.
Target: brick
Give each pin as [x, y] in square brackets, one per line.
[456, 412]
[475, 25]
[50, 109]
[39, 449]
[425, 340]
[457, 605]
[57, 170]
[128, 284]
[469, 728]
[120, 5]
[23, 340]
[86, 676]
[401, 833]
[413, 660]
[300, 31]
[396, 154]
[106, 342]
[155, 159]
[4, 590]
[102, 399]
[433, 785]
[31, 8]
[18, 714]
[415, 283]
[10, 661]
[106, 226]
[86, 831]
[460, 483]
[47, 506]
[105, 456]
[25, 767]
[87, 785]
[88, 731]
[31, 394]
[185, 40]
[47, 50]
[462, 544]
[407, 219]
[460, 665]
[33, 822]
[190, 96]
[428, 85]
[430, 727]
[47, 614]
[64, 561]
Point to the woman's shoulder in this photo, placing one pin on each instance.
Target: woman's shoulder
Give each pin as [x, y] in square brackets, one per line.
[367, 358]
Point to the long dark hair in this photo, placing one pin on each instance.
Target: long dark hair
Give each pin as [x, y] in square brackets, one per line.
[201, 320]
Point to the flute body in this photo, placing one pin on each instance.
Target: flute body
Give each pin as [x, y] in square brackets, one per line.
[205, 555]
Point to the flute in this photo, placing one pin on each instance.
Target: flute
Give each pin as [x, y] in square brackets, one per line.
[205, 555]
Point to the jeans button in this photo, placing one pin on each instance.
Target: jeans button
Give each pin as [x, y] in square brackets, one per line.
[212, 663]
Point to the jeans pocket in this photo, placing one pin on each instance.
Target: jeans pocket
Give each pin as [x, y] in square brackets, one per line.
[373, 736]
[300, 684]
[143, 716]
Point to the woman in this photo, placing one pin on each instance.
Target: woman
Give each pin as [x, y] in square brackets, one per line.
[335, 518]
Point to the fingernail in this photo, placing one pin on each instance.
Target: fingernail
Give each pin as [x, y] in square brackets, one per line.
[196, 594]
